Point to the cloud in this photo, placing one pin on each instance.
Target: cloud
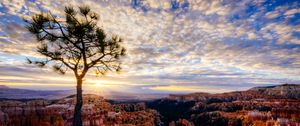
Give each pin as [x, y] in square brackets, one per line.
[283, 33]
[291, 12]
[187, 43]
[211, 7]
[272, 14]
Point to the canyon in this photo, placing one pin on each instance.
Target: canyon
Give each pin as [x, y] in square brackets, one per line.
[259, 106]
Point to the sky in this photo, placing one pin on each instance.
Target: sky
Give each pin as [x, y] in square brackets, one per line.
[173, 46]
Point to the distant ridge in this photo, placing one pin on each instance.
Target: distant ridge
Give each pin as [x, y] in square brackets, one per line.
[8, 93]
[274, 86]
[16, 93]
[285, 90]
[291, 91]
[3, 86]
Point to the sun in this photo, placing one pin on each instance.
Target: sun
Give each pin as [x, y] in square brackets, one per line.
[105, 85]
[98, 84]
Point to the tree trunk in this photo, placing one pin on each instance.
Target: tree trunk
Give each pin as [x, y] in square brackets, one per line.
[77, 113]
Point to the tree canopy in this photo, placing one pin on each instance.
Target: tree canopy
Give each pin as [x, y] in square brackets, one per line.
[77, 43]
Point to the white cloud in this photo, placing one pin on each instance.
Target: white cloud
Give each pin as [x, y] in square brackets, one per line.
[292, 12]
[183, 46]
[272, 14]
[210, 7]
[282, 32]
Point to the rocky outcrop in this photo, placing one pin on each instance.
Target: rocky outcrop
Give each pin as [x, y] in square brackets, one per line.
[273, 105]
[96, 111]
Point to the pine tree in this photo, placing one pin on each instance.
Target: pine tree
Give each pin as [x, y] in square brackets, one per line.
[76, 44]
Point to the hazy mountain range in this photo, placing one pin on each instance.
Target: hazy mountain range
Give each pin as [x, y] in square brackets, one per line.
[26, 94]
[285, 90]
[15, 93]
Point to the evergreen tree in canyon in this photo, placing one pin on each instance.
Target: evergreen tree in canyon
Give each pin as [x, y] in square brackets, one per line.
[76, 43]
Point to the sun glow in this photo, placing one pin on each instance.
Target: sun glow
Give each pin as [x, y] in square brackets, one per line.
[106, 86]
[100, 83]
[188, 89]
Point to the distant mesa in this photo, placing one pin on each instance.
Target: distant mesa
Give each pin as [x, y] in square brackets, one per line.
[276, 86]
[285, 90]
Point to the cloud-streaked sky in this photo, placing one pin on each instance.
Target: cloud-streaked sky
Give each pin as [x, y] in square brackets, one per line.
[173, 45]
